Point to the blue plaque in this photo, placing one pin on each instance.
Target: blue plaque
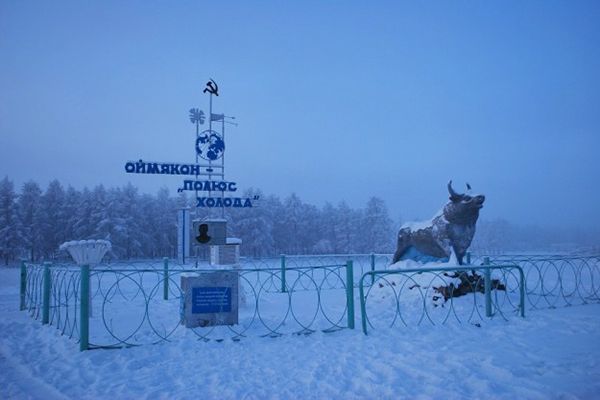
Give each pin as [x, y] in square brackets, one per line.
[211, 300]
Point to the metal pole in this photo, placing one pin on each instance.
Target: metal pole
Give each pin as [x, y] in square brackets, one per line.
[223, 137]
[23, 293]
[197, 135]
[46, 294]
[283, 290]
[350, 293]
[363, 309]
[84, 317]
[185, 234]
[522, 292]
[468, 258]
[165, 278]
[223, 164]
[372, 268]
[487, 287]
[209, 133]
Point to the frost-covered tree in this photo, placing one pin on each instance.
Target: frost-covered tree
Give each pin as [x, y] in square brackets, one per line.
[160, 223]
[84, 228]
[9, 221]
[293, 225]
[128, 232]
[347, 224]
[52, 220]
[70, 212]
[376, 233]
[103, 216]
[278, 223]
[29, 211]
[327, 243]
[309, 234]
[253, 226]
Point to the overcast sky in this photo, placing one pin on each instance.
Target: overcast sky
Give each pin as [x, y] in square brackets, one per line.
[334, 102]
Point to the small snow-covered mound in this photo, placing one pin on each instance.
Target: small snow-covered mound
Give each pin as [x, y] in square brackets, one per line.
[412, 264]
[412, 292]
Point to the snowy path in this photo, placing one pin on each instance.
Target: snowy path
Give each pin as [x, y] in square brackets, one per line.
[551, 354]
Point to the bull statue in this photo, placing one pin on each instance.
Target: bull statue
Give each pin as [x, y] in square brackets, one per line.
[451, 230]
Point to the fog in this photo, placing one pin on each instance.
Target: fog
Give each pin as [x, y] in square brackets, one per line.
[337, 102]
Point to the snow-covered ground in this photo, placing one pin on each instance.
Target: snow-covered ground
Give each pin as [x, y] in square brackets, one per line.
[551, 354]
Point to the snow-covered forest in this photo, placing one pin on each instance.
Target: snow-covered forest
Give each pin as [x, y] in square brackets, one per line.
[34, 222]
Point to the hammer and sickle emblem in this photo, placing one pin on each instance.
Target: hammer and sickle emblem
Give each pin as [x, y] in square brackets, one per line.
[203, 234]
[212, 88]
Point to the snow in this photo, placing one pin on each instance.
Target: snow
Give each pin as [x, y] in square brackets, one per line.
[418, 225]
[552, 353]
[412, 264]
[232, 240]
[86, 251]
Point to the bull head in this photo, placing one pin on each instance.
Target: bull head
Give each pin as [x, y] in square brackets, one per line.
[465, 199]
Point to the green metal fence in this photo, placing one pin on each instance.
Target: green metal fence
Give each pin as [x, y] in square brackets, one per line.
[413, 296]
[127, 304]
[362, 262]
[112, 307]
[51, 295]
[555, 280]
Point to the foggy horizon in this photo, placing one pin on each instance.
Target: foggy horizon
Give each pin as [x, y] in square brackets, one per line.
[398, 220]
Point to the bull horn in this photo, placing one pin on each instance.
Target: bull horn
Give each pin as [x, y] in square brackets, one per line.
[451, 191]
[468, 186]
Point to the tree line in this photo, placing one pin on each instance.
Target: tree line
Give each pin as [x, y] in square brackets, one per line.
[35, 222]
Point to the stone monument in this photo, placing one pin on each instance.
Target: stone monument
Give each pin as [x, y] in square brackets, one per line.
[210, 299]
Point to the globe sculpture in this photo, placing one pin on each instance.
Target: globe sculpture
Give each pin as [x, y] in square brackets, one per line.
[210, 146]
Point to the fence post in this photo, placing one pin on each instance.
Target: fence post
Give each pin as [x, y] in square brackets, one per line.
[283, 290]
[165, 278]
[363, 310]
[372, 268]
[522, 292]
[350, 293]
[84, 309]
[468, 258]
[487, 287]
[23, 292]
[46, 294]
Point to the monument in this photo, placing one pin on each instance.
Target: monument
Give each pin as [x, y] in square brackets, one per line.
[451, 230]
[210, 299]
[206, 178]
